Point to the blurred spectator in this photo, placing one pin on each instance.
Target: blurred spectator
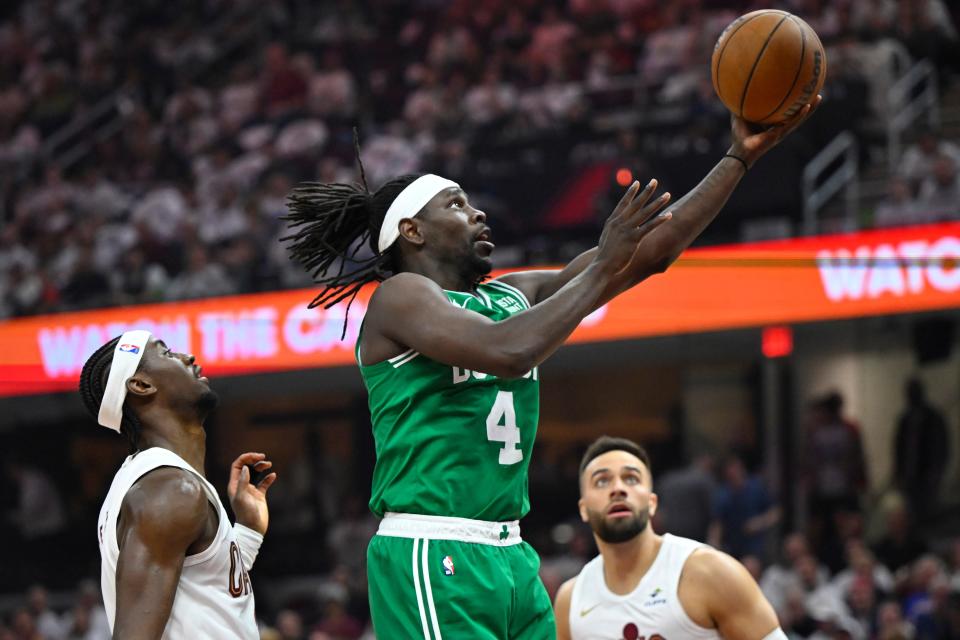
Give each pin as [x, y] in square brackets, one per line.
[290, 625]
[23, 626]
[47, 622]
[88, 615]
[834, 469]
[744, 512]
[901, 542]
[927, 30]
[782, 577]
[862, 602]
[890, 623]
[861, 564]
[201, 278]
[921, 450]
[284, 88]
[794, 617]
[39, 512]
[349, 535]
[899, 207]
[337, 623]
[332, 88]
[686, 499]
[926, 577]
[918, 160]
[939, 196]
[87, 287]
[138, 281]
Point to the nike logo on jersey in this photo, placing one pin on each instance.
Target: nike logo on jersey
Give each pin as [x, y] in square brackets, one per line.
[584, 612]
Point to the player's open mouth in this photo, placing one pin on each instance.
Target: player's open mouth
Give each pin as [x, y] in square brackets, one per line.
[197, 369]
[483, 240]
[619, 510]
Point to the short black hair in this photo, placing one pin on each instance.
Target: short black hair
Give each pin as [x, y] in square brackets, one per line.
[604, 444]
[93, 383]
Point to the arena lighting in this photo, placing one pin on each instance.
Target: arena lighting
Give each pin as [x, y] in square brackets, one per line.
[777, 342]
[906, 270]
[624, 176]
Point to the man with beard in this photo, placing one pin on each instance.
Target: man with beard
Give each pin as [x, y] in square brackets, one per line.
[643, 585]
[171, 565]
[450, 362]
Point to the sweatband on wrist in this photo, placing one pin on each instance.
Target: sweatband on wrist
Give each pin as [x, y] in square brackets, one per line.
[249, 542]
[126, 358]
[776, 634]
[408, 204]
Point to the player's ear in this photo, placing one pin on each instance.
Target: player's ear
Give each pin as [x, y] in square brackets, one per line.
[410, 231]
[140, 385]
[654, 501]
[583, 510]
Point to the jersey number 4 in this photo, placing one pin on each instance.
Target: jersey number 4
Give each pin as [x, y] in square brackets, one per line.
[502, 427]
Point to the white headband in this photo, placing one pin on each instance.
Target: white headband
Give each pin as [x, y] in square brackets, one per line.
[126, 359]
[408, 204]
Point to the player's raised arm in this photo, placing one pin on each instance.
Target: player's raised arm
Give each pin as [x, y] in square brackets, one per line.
[410, 309]
[691, 215]
[729, 596]
[162, 516]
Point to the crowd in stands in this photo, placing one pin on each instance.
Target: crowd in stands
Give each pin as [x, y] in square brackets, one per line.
[214, 110]
[926, 185]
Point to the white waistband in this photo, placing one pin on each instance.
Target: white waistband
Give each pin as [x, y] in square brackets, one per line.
[408, 525]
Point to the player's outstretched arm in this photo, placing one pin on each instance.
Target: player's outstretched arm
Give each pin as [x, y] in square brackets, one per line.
[723, 590]
[411, 311]
[162, 515]
[561, 609]
[692, 214]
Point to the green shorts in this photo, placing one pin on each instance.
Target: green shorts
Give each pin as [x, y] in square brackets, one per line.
[474, 587]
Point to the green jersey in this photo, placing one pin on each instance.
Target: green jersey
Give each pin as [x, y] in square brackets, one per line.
[450, 441]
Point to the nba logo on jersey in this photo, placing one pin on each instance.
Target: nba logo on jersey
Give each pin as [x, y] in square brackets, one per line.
[448, 566]
[129, 348]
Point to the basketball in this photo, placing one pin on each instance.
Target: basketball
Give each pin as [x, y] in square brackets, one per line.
[767, 65]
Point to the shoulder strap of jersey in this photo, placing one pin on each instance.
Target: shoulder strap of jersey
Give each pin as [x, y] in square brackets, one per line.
[677, 550]
[503, 287]
[149, 459]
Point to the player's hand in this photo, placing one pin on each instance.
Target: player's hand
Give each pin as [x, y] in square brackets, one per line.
[750, 144]
[634, 217]
[249, 501]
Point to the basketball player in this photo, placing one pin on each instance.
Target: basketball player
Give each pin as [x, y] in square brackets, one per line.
[450, 365]
[643, 585]
[171, 566]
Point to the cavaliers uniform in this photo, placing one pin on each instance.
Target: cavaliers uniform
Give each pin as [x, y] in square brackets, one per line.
[214, 598]
[453, 447]
[652, 611]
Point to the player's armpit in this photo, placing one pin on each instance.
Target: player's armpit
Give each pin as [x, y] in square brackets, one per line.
[722, 589]
[561, 609]
[162, 515]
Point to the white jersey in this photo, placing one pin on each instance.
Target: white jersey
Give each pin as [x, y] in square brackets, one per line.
[652, 611]
[214, 598]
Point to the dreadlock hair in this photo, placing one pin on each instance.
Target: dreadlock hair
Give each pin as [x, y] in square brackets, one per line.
[332, 222]
[93, 383]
